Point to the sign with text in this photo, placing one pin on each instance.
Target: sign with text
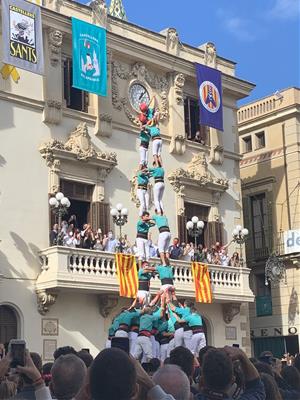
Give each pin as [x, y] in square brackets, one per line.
[292, 241]
[22, 35]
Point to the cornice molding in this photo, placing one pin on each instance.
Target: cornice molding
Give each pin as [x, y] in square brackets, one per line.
[22, 100]
[258, 182]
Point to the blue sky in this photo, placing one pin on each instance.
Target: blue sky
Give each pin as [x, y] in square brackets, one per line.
[262, 36]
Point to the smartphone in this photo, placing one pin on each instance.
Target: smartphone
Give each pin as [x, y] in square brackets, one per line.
[120, 343]
[236, 345]
[17, 348]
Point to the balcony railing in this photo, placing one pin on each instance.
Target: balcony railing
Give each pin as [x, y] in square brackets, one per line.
[95, 271]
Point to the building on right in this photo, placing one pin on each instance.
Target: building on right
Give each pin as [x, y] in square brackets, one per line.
[269, 136]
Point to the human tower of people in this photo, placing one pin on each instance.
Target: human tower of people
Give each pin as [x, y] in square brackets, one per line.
[155, 326]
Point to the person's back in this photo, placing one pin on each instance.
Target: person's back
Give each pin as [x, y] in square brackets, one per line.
[28, 390]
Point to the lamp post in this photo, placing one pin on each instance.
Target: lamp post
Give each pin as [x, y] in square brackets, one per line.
[195, 228]
[120, 216]
[59, 205]
[239, 235]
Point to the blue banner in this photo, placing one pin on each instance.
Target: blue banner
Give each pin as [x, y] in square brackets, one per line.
[210, 96]
[89, 57]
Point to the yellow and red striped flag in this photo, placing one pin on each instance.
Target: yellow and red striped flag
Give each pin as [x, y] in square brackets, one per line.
[127, 275]
[202, 283]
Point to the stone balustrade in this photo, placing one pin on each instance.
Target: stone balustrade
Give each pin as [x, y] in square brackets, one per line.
[95, 271]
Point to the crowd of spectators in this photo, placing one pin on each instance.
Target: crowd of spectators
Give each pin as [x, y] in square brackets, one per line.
[71, 235]
[216, 373]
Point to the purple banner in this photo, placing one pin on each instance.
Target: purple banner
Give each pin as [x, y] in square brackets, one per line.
[210, 96]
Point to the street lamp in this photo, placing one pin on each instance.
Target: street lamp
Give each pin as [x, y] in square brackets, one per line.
[59, 205]
[195, 228]
[120, 216]
[239, 235]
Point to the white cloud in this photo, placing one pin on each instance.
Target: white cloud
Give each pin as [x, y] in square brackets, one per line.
[285, 9]
[241, 28]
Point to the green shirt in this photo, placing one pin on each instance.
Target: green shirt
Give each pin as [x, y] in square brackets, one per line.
[146, 322]
[194, 320]
[154, 131]
[157, 172]
[142, 178]
[160, 220]
[164, 272]
[143, 227]
[162, 326]
[126, 317]
[145, 136]
[183, 312]
[144, 276]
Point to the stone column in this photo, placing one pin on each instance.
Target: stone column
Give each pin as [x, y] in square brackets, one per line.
[176, 119]
[53, 77]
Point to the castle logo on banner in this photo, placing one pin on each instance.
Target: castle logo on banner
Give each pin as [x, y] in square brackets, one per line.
[22, 35]
[210, 96]
[89, 57]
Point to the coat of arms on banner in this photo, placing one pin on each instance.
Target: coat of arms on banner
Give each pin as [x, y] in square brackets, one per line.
[88, 56]
[22, 34]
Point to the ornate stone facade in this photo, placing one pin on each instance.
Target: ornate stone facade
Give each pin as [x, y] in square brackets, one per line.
[106, 304]
[44, 301]
[55, 38]
[230, 310]
[99, 12]
[178, 86]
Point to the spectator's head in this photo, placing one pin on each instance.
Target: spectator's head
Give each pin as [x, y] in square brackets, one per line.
[188, 303]
[271, 388]
[63, 351]
[55, 227]
[112, 376]
[292, 377]
[173, 381]
[202, 353]
[297, 362]
[184, 358]
[37, 361]
[68, 374]
[86, 357]
[47, 373]
[218, 244]
[8, 389]
[200, 247]
[110, 235]
[235, 255]
[263, 367]
[217, 371]
[175, 241]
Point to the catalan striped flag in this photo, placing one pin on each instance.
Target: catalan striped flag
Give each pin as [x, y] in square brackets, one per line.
[202, 283]
[127, 275]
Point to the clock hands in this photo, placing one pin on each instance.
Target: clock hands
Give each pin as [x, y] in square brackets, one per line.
[142, 95]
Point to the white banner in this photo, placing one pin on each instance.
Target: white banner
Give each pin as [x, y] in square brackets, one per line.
[292, 241]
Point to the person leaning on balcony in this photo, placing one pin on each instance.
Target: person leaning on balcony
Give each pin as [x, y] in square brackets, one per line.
[217, 376]
[235, 260]
[53, 235]
[175, 250]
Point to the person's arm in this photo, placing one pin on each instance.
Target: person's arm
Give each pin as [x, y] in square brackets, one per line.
[5, 365]
[228, 244]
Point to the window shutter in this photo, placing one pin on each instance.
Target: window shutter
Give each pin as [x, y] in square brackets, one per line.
[219, 232]
[247, 213]
[182, 232]
[100, 216]
[269, 225]
[209, 234]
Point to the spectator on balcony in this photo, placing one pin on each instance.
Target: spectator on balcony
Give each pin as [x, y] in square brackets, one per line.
[224, 257]
[53, 235]
[88, 240]
[175, 250]
[215, 258]
[73, 221]
[98, 245]
[64, 227]
[235, 260]
[110, 243]
[188, 252]
[153, 249]
[201, 255]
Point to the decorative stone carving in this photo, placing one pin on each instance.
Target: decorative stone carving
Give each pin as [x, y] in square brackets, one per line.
[178, 87]
[106, 304]
[54, 4]
[53, 111]
[141, 73]
[181, 212]
[217, 154]
[172, 40]
[79, 144]
[177, 145]
[99, 12]
[197, 174]
[210, 56]
[44, 301]
[55, 38]
[230, 310]
[105, 125]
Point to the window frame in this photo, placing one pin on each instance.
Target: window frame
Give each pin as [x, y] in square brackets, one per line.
[245, 150]
[190, 101]
[258, 135]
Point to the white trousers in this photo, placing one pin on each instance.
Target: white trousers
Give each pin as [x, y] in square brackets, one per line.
[143, 197]
[164, 239]
[144, 297]
[155, 348]
[121, 333]
[171, 346]
[132, 339]
[178, 337]
[143, 346]
[143, 249]
[158, 192]
[143, 155]
[156, 147]
[187, 337]
[163, 351]
[198, 341]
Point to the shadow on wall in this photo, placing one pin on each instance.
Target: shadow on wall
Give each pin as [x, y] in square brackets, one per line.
[29, 252]
[2, 161]
[294, 310]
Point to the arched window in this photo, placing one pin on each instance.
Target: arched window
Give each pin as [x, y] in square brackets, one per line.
[8, 324]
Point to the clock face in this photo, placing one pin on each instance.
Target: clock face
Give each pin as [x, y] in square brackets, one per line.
[138, 94]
